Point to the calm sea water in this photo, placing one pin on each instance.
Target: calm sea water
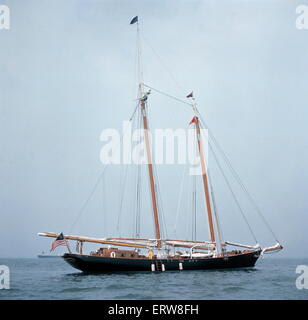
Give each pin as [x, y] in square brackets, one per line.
[54, 279]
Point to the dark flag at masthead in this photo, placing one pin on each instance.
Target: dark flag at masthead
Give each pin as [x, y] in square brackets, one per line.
[134, 20]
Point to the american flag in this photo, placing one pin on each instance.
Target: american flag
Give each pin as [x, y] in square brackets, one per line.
[60, 241]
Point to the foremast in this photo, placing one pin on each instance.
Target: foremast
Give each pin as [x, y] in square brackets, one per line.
[150, 169]
[142, 96]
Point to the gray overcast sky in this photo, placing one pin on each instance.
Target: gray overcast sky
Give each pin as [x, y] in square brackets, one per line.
[67, 73]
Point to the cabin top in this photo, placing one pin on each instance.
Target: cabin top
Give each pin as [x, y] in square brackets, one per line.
[116, 253]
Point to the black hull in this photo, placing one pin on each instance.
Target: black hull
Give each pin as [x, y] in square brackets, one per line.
[89, 263]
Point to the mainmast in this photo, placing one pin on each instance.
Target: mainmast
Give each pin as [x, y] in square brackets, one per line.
[143, 105]
[195, 120]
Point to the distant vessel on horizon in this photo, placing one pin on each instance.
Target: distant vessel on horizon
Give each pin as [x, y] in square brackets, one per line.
[44, 255]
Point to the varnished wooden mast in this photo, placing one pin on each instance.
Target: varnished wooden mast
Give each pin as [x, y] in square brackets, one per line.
[204, 178]
[150, 169]
[142, 99]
